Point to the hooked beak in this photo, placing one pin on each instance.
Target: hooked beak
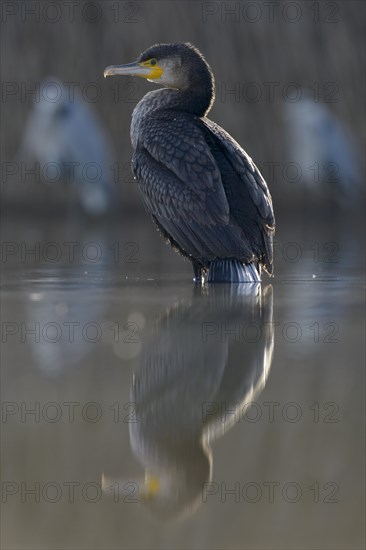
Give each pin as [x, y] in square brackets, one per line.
[133, 69]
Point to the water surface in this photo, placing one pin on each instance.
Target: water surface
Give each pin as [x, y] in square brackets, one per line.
[140, 411]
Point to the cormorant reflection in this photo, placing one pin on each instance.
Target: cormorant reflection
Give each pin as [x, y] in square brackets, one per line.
[204, 358]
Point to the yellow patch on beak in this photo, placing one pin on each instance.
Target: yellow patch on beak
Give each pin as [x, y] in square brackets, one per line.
[155, 70]
[152, 485]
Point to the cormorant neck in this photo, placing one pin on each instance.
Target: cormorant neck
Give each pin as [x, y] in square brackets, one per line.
[194, 100]
[189, 100]
[198, 94]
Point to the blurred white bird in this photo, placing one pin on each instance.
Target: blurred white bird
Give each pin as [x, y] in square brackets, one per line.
[320, 145]
[64, 135]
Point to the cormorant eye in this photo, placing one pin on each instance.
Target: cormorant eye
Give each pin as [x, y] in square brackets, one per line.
[153, 62]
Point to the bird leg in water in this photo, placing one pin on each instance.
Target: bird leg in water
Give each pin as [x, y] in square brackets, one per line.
[197, 273]
[232, 271]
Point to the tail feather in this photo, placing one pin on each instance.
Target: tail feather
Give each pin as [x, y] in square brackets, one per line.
[233, 271]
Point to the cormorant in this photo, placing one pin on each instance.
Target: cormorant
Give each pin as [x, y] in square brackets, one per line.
[194, 383]
[202, 190]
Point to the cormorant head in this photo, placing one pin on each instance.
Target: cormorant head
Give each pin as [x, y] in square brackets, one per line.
[180, 66]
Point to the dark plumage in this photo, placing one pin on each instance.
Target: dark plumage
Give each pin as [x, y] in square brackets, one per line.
[202, 190]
